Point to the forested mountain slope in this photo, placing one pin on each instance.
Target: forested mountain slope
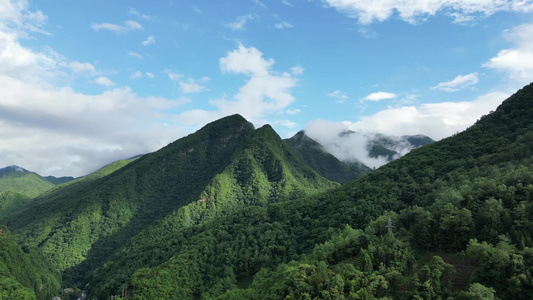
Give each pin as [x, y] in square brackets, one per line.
[451, 219]
[225, 165]
[327, 165]
[24, 275]
[18, 187]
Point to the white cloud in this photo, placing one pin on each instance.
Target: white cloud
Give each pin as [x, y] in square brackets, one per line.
[378, 96]
[149, 75]
[297, 70]
[339, 95]
[191, 86]
[149, 41]
[367, 12]
[78, 67]
[245, 60]
[283, 25]
[458, 83]
[136, 75]
[20, 62]
[516, 62]
[436, 120]
[55, 130]
[345, 147]
[104, 81]
[128, 26]
[15, 14]
[134, 54]
[264, 93]
[240, 22]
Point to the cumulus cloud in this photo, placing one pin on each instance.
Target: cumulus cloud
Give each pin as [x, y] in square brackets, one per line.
[189, 85]
[264, 92]
[55, 130]
[149, 40]
[240, 22]
[367, 12]
[436, 120]
[149, 75]
[78, 67]
[516, 62]
[458, 83]
[192, 86]
[339, 95]
[118, 29]
[104, 81]
[378, 96]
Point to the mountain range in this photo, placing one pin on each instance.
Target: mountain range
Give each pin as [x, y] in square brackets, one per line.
[235, 212]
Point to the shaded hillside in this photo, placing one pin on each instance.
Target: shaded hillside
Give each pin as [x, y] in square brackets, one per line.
[369, 238]
[325, 164]
[224, 165]
[23, 275]
[12, 202]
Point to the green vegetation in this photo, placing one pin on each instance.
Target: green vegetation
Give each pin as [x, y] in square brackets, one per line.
[325, 164]
[24, 274]
[464, 200]
[235, 213]
[211, 173]
[18, 187]
[15, 179]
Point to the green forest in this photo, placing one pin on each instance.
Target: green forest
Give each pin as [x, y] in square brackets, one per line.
[235, 212]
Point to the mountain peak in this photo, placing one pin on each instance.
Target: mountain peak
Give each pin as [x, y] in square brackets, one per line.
[12, 169]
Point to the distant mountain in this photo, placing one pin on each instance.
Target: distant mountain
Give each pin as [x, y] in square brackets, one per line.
[325, 164]
[18, 187]
[393, 148]
[369, 149]
[59, 180]
[17, 179]
[224, 166]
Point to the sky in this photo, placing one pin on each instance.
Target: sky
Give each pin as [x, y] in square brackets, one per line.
[84, 83]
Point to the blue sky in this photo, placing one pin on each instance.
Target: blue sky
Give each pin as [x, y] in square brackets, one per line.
[89, 82]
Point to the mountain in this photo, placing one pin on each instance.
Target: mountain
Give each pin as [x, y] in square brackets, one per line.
[233, 212]
[325, 164]
[225, 165]
[18, 187]
[452, 219]
[59, 180]
[24, 274]
[392, 148]
[17, 179]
